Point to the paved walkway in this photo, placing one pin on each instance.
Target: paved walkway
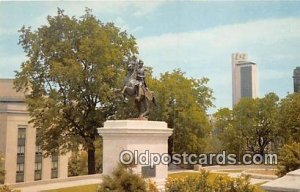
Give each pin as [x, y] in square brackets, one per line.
[59, 183]
[66, 184]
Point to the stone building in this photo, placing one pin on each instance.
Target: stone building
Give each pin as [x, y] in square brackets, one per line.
[23, 158]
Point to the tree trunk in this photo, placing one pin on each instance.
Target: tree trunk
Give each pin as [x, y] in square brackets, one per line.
[91, 161]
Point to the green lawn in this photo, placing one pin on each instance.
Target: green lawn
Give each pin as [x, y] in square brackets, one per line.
[231, 171]
[211, 176]
[83, 188]
[93, 187]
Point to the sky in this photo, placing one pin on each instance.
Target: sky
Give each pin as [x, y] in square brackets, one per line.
[198, 37]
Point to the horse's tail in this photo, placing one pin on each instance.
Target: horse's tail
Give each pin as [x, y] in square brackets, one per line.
[154, 101]
[153, 98]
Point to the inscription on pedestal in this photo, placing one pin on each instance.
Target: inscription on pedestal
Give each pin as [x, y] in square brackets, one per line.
[148, 171]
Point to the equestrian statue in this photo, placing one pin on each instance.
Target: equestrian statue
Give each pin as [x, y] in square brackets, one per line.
[136, 87]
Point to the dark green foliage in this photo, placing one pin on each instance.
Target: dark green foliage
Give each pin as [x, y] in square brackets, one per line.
[289, 158]
[257, 121]
[72, 70]
[187, 116]
[289, 118]
[259, 125]
[252, 125]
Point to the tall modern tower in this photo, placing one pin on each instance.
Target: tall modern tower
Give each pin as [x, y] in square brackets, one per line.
[244, 77]
[297, 79]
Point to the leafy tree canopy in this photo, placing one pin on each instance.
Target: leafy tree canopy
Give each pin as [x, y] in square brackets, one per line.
[182, 103]
[289, 118]
[250, 126]
[288, 159]
[72, 68]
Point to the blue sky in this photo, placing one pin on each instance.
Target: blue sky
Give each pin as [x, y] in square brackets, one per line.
[196, 36]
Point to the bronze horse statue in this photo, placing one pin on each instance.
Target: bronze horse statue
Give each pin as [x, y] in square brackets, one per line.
[143, 97]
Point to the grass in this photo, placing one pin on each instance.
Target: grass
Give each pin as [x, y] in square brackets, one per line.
[83, 188]
[264, 172]
[93, 187]
[211, 176]
[231, 171]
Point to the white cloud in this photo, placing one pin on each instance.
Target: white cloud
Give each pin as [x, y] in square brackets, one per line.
[273, 44]
[138, 8]
[143, 8]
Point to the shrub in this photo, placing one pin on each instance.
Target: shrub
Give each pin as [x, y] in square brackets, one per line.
[5, 188]
[188, 183]
[241, 184]
[124, 180]
[201, 183]
[288, 159]
[152, 186]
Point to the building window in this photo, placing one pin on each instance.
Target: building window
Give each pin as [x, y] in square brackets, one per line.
[38, 149]
[38, 160]
[21, 150]
[20, 172]
[20, 167]
[21, 133]
[38, 171]
[54, 169]
[21, 155]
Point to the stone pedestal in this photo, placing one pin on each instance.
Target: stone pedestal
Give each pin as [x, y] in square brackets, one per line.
[289, 183]
[138, 137]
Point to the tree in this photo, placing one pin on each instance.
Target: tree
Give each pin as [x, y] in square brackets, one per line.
[182, 103]
[289, 118]
[251, 126]
[225, 131]
[288, 159]
[2, 171]
[222, 120]
[73, 67]
[257, 121]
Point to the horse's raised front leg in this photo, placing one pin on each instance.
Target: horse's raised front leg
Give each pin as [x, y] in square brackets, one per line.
[123, 92]
[124, 89]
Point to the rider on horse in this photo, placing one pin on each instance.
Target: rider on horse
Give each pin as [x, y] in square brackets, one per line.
[140, 77]
[135, 86]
